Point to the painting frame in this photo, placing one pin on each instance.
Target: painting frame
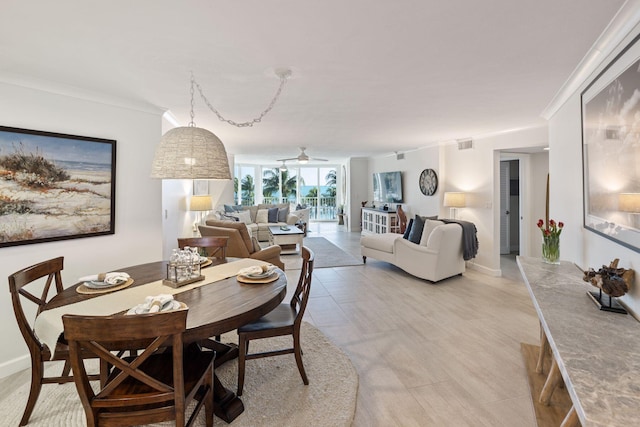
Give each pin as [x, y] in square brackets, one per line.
[55, 186]
[610, 108]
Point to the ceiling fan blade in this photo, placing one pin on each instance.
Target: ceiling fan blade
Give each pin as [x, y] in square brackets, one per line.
[319, 160]
[287, 160]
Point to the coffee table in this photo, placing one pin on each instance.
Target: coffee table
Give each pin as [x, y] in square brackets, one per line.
[292, 237]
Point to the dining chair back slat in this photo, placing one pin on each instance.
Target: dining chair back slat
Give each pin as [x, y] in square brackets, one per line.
[151, 384]
[215, 246]
[22, 286]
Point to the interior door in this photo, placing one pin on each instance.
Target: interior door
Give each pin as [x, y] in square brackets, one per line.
[505, 236]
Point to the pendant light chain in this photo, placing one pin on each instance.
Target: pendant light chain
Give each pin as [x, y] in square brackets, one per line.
[284, 75]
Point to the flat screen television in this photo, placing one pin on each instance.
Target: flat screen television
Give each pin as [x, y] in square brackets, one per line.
[387, 187]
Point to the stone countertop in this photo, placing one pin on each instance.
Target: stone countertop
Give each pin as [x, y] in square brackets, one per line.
[598, 352]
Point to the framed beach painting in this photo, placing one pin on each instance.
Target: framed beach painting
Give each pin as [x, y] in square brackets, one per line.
[611, 150]
[55, 186]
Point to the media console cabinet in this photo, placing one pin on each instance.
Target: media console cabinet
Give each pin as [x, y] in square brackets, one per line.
[378, 221]
[596, 353]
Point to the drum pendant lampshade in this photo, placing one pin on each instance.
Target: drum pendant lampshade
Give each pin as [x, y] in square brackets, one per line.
[190, 152]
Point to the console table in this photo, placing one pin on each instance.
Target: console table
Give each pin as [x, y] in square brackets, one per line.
[596, 352]
[378, 221]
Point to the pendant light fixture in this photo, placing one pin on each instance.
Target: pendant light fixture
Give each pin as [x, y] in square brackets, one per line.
[190, 152]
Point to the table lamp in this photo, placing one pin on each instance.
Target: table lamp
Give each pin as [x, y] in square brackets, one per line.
[630, 203]
[200, 204]
[454, 200]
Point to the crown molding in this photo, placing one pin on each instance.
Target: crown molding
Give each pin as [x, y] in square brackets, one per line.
[624, 21]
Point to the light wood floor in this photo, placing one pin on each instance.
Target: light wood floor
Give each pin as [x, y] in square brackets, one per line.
[427, 355]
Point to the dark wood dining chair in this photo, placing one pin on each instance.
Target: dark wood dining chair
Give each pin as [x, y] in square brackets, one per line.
[215, 246]
[402, 219]
[283, 320]
[38, 278]
[154, 384]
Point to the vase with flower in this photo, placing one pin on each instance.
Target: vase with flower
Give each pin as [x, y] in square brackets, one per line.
[550, 240]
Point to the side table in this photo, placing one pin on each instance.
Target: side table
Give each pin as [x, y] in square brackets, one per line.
[302, 226]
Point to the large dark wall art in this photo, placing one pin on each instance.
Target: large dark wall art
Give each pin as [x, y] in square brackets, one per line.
[55, 186]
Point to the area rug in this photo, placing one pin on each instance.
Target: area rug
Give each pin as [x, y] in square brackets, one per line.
[327, 255]
[273, 392]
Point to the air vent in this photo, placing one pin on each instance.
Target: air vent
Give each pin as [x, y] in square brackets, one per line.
[399, 156]
[465, 144]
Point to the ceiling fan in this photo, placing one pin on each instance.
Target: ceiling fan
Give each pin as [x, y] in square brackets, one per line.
[303, 157]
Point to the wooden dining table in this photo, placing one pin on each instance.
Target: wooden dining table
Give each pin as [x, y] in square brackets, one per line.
[214, 308]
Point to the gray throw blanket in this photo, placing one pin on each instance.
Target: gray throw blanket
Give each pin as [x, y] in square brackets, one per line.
[469, 237]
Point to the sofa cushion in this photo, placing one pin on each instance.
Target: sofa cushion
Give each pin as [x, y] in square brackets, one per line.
[380, 242]
[283, 213]
[262, 217]
[429, 225]
[272, 215]
[408, 230]
[416, 230]
[243, 217]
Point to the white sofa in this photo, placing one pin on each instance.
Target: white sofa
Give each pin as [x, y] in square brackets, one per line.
[438, 256]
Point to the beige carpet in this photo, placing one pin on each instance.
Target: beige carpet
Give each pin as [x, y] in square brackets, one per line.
[327, 255]
[273, 394]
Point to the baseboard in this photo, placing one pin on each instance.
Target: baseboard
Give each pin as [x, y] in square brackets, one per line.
[482, 269]
[12, 366]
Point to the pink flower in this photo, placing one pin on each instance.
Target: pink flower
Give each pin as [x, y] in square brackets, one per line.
[547, 232]
[540, 223]
[552, 223]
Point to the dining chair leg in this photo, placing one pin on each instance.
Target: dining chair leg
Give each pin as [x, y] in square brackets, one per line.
[243, 347]
[297, 350]
[66, 370]
[208, 402]
[37, 371]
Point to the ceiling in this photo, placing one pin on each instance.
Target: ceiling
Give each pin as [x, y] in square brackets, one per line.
[369, 77]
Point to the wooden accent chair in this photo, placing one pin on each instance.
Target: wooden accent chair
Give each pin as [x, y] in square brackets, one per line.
[34, 276]
[215, 246]
[402, 219]
[283, 320]
[241, 244]
[154, 384]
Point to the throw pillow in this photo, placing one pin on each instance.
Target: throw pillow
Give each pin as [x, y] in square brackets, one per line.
[231, 217]
[408, 230]
[234, 208]
[262, 217]
[272, 215]
[283, 213]
[243, 216]
[416, 230]
[429, 225]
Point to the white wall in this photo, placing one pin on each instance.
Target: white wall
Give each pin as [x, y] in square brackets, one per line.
[138, 232]
[577, 244]
[357, 190]
[476, 171]
[411, 166]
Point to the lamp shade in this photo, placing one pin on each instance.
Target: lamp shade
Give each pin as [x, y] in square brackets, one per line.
[200, 203]
[190, 153]
[454, 200]
[629, 202]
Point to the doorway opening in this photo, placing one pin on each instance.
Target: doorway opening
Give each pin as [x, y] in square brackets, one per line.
[510, 207]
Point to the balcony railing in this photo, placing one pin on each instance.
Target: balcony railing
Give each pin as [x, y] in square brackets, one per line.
[320, 208]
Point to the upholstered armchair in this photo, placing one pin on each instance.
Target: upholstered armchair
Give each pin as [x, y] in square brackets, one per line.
[241, 244]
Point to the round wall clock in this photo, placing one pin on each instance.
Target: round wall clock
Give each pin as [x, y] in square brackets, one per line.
[428, 182]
